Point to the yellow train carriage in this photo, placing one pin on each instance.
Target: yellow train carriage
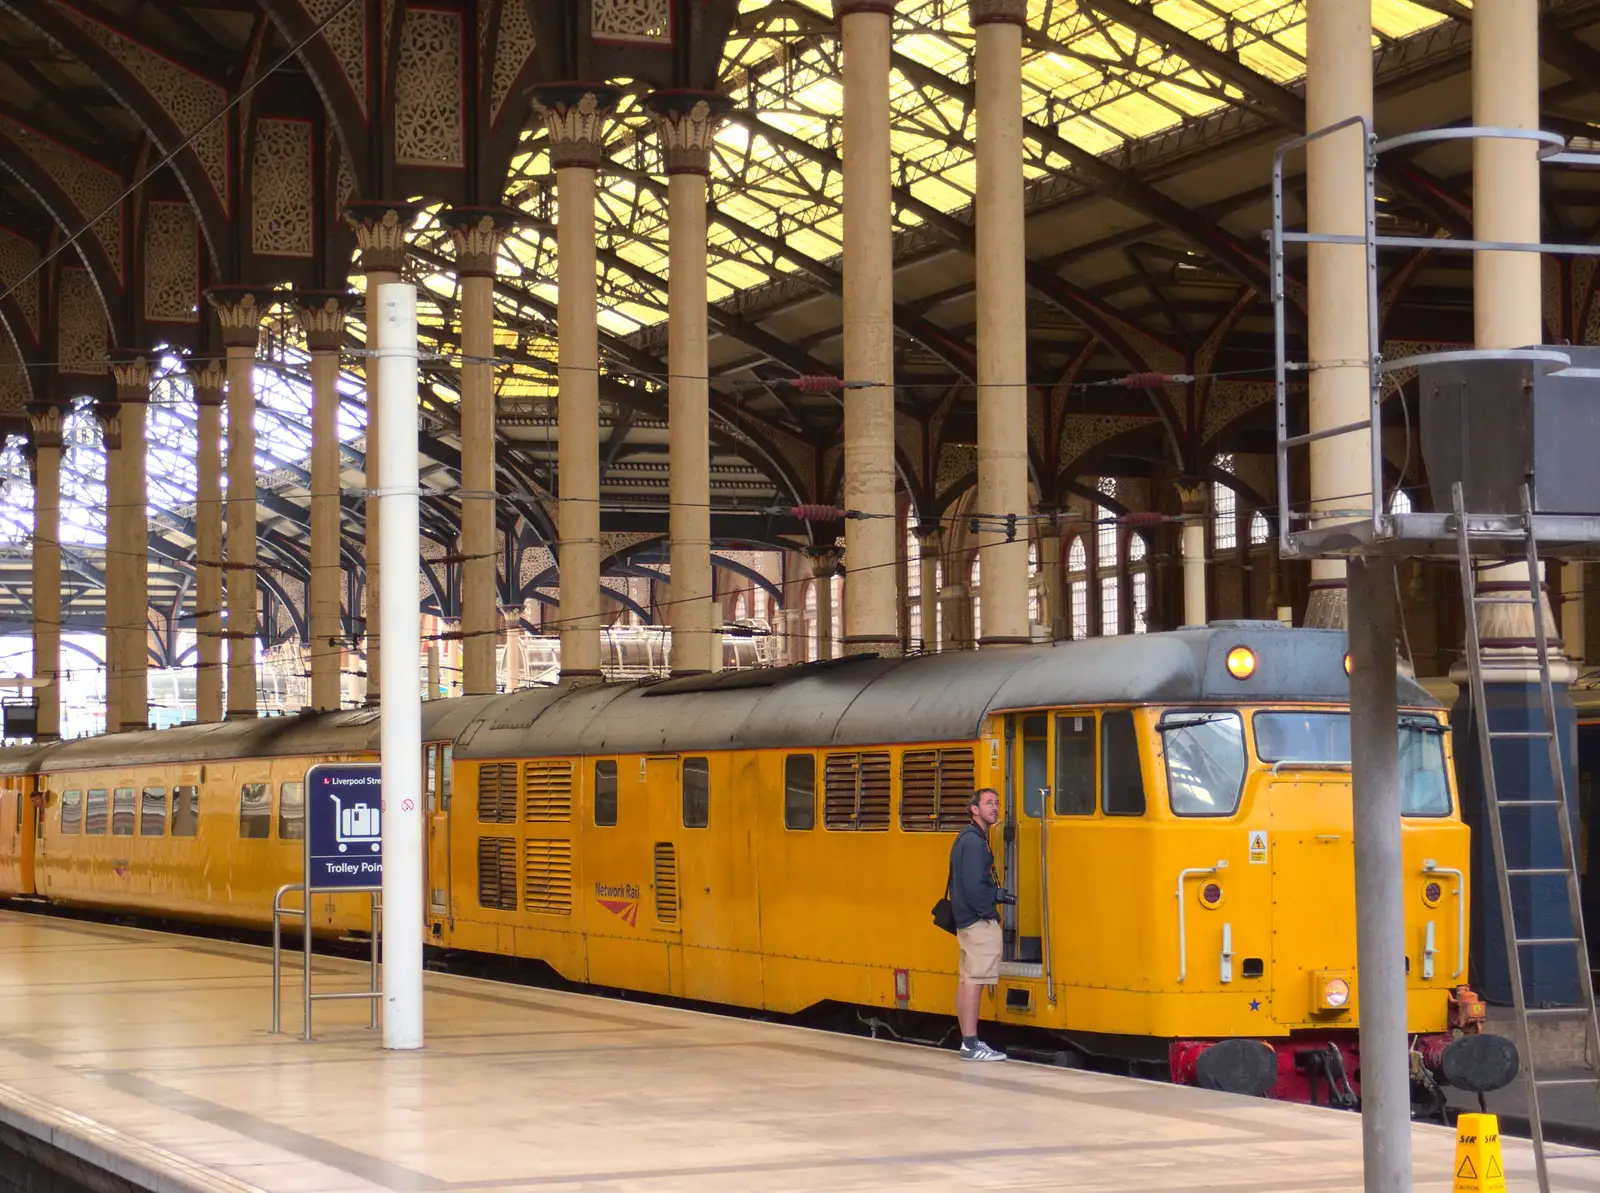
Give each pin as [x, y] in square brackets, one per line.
[1178, 836]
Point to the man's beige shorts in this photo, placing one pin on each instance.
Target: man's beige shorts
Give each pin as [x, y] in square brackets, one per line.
[980, 952]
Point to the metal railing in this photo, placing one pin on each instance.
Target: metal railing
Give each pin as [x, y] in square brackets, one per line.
[279, 911]
[1552, 151]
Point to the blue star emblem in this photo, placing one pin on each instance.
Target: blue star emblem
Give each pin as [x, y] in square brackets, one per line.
[1255, 1004]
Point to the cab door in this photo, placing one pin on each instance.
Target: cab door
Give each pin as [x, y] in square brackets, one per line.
[1026, 794]
[436, 796]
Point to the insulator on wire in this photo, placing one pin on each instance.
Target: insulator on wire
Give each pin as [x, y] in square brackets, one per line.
[1146, 380]
[818, 513]
[1011, 528]
[816, 383]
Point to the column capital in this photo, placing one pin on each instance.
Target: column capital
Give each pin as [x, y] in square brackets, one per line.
[477, 233]
[130, 370]
[997, 12]
[1192, 492]
[208, 375]
[44, 424]
[109, 416]
[576, 115]
[381, 227]
[849, 8]
[239, 310]
[321, 314]
[930, 536]
[686, 122]
[826, 560]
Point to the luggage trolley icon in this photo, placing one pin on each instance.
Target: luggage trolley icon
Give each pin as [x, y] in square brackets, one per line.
[357, 825]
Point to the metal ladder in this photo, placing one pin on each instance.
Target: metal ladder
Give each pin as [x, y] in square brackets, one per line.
[1493, 804]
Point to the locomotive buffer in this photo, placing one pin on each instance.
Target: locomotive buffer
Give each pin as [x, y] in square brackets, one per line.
[1503, 435]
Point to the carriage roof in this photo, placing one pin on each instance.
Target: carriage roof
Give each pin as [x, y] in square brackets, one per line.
[848, 702]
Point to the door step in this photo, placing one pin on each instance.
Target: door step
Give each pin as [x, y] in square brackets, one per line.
[1022, 969]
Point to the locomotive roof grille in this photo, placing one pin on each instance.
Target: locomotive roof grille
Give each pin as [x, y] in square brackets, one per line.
[853, 702]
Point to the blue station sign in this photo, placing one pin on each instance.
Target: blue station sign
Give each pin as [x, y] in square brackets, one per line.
[344, 826]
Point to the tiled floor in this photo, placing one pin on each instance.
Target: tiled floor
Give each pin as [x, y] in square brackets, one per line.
[149, 1054]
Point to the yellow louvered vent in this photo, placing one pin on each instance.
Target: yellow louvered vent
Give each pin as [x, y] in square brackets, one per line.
[957, 781]
[497, 873]
[547, 877]
[666, 883]
[855, 792]
[497, 793]
[935, 786]
[546, 790]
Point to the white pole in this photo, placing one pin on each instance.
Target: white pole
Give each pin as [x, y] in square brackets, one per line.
[393, 316]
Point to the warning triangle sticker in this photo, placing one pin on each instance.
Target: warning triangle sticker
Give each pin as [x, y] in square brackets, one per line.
[1494, 1167]
[1467, 1171]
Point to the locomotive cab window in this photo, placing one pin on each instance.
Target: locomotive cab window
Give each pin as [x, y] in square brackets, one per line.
[1203, 750]
[71, 811]
[605, 792]
[185, 811]
[1074, 765]
[1121, 782]
[696, 793]
[292, 812]
[430, 779]
[800, 792]
[153, 812]
[444, 777]
[1324, 737]
[95, 812]
[255, 811]
[122, 812]
[1035, 764]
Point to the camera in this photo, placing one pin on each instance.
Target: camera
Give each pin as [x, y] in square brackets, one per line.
[1004, 897]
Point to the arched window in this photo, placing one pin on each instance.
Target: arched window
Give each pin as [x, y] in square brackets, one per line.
[838, 614]
[1106, 561]
[1260, 532]
[975, 593]
[741, 606]
[1224, 510]
[811, 621]
[1139, 582]
[938, 605]
[1078, 588]
[1400, 502]
[1034, 616]
[914, 592]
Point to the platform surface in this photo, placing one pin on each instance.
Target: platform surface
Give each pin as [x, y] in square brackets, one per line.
[148, 1054]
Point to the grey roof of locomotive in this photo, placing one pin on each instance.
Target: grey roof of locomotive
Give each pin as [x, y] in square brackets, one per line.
[858, 701]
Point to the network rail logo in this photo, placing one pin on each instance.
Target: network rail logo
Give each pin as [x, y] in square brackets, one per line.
[621, 900]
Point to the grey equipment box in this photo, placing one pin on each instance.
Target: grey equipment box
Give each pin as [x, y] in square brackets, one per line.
[1495, 425]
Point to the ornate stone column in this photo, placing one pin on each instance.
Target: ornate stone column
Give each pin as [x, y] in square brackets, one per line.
[686, 121]
[1050, 579]
[825, 564]
[513, 622]
[1338, 85]
[477, 233]
[930, 551]
[239, 310]
[576, 115]
[44, 456]
[322, 317]
[381, 228]
[209, 378]
[1002, 316]
[866, 33]
[131, 373]
[108, 415]
[1195, 496]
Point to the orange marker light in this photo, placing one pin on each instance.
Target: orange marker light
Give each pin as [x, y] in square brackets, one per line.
[1347, 664]
[1241, 662]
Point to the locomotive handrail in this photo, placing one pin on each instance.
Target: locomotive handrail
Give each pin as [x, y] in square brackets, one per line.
[1308, 764]
[1429, 866]
[1044, 891]
[1183, 945]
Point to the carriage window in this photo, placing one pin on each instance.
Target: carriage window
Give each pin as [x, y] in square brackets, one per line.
[1035, 764]
[71, 811]
[444, 777]
[96, 811]
[696, 793]
[153, 812]
[1205, 759]
[1074, 766]
[430, 779]
[605, 793]
[185, 811]
[1121, 780]
[122, 804]
[800, 792]
[1325, 737]
[255, 811]
[292, 812]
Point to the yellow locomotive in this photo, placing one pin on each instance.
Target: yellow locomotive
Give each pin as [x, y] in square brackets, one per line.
[1177, 832]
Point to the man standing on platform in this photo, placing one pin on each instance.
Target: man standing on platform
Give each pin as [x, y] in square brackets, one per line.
[973, 896]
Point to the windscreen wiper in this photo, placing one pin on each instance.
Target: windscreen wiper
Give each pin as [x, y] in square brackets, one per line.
[1190, 722]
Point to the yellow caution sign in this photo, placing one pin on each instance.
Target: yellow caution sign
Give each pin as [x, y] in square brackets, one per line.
[1478, 1165]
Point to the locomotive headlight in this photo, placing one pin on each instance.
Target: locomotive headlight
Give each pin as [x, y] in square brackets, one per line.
[1335, 994]
[1241, 662]
[1211, 895]
[1432, 892]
